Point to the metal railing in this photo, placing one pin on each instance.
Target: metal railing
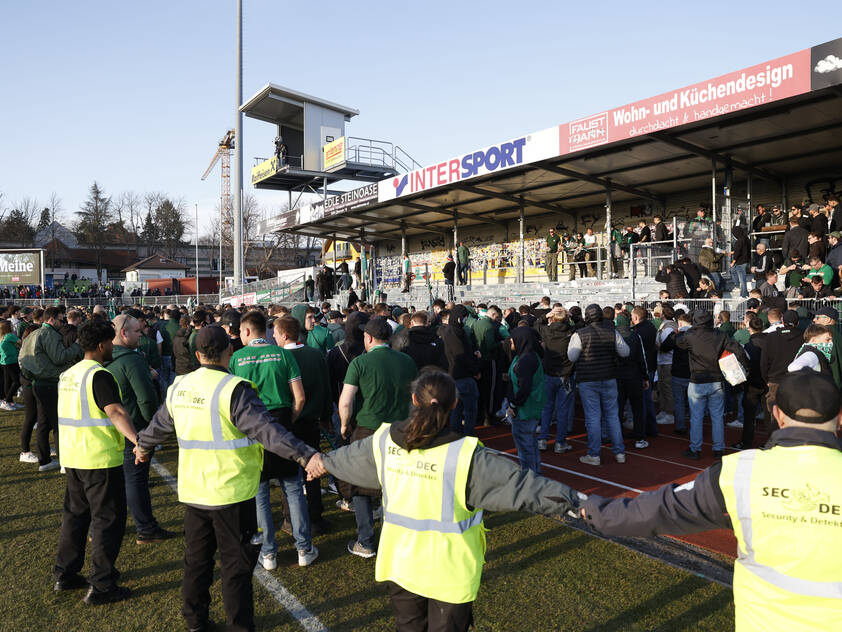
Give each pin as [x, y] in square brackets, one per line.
[116, 301]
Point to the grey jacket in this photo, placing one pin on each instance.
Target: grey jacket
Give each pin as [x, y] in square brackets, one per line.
[248, 413]
[689, 508]
[495, 482]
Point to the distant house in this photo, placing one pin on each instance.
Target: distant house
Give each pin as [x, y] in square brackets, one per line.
[154, 267]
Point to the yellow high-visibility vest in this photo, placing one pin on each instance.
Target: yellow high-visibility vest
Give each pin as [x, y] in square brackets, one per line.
[785, 505]
[431, 543]
[217, 464]
[87, 439]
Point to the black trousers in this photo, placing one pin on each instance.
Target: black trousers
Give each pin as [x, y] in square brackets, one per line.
[46, 400]
[11, 381]
[30, 416]
[486, 384]
[752, 396]
[414, 613]
[228, 529]
[94, 499]
[631, 389]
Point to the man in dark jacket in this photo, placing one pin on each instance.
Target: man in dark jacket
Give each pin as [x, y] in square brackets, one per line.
[740, 258]
[43, 357]
[761, 263]
[705, 391]
[182, 358]
[779, 349]
[595, 349]
[632, 378]
[526, 395]
[420, 343]
[795, 239]
[487, 339]
[755, 387]
[644, 328]
[463, 367]
[140, 399]
[674, 278]
[555, 331]
[691, 271]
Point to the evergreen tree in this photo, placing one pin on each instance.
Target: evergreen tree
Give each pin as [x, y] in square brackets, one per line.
[169, 223]
[94, 218]
[45, 221]
[149, 234]
[17, 229]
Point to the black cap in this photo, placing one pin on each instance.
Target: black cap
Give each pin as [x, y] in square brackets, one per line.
[378, 328]
[752, 303]
[808, 397]
[356, 320]
[212, 340]
[790, 317]
[828, 311]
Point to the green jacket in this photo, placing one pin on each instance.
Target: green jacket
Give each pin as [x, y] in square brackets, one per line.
[728, 329]
[463, 255]
[166, 346]
[319, 338]
[709, 259]
[171, 325]
[191, 347]
[486, 337]
[44, 356]
[149, 349]
[140, 397]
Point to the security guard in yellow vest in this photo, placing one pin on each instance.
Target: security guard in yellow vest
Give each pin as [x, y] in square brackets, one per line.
[222, 428]
[784, 503]
[93, 424]
[435, 484]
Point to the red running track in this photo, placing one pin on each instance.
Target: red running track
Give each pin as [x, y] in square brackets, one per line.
[661, 463]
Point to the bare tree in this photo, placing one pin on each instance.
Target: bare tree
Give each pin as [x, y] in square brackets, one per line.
[128, 208]
[55, 210]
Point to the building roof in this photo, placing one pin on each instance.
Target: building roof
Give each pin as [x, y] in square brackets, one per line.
[276, 104]
[155, 262]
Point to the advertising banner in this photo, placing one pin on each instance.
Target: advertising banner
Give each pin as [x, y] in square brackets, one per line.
[765, 83]
[264, 296]
[20, 267]
[361, 196]
[334, 153]
[265, 169]
[526, 149]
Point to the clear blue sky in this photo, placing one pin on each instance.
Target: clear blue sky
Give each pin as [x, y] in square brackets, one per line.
[135, 95]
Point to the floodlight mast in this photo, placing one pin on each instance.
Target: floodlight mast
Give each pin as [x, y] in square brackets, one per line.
[238, 157]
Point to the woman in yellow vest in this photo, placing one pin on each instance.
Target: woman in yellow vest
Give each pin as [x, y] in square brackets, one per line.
[435, 485]
[784, 503]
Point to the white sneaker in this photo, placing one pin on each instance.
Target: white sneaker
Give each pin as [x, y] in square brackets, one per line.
[62, 470]
[641, 444]
[344, 505]
[587, 459]
[620, 458]
[305, 558]
[4, 405]
[664, 419]
[561, 448]
[52, 465]
[27, 457]
[542, 444]
[735, 424]
[268, 561]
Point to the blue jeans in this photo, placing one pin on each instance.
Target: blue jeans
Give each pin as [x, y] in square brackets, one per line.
[740, 274]
[138, 499]
[523, 433]
[557, 400]
[365, 522]
[466, 406]
[651, 426]
[599, 399]
[679, 397]
[298, 516]
[710, 397]
[166, 375]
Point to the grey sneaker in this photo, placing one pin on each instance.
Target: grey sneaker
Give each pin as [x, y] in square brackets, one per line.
[621, 458]
[355, 548]
[562, 447]
[305, 558]
[52, 465]
[542, 444]
[641, 443]
[587, 459]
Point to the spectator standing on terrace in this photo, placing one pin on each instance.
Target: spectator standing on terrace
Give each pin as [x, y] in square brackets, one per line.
[591, 253]
[761, 263]
[776, 586]
[463, 263]
[448, 271]
[710, 261]
[674, 278]
[834, 254]
[818, 220]
[553, 241]
[796, 238]
[594, 350]
[761, 219]
[705, 391]
[406, 273]
[309, 288]
[793, 273]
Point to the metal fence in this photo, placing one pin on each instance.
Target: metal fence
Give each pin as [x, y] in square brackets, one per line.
[116, 301]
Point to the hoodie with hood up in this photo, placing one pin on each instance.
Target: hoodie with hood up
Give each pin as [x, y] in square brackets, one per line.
[526, 375]
[705, 345]
[458, 347]
[319, 338]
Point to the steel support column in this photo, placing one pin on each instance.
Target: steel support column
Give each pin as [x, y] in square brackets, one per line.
[522, 258]
[608, 204]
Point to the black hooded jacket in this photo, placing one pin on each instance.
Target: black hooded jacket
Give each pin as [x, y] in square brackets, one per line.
[779, 349]
[634, 365]
[556, 337]
[340, 356]
[705, 345]
[742, 247]
[528, 352]
[458, 350]
[422, 345]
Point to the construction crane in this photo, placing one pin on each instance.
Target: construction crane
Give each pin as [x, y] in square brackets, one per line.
[223, 153]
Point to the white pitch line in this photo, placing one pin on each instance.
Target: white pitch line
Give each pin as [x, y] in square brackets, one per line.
[647, 456]
[286, 599]
[575, 473]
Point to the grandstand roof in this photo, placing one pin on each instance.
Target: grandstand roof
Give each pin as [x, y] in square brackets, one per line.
[772, 120]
